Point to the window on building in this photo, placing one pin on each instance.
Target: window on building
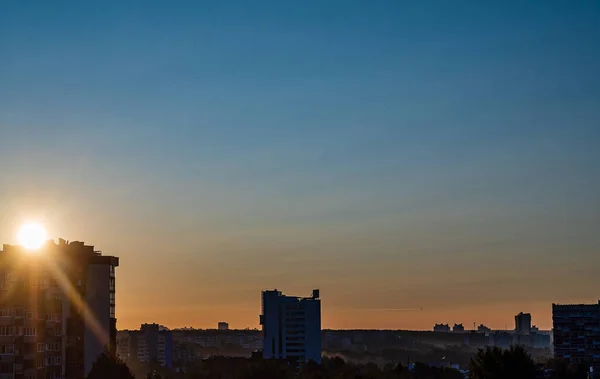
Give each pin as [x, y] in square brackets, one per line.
[39, 363]
[5, 312]
[7, 349]
[6, 330]
[55, 346]
[6, 368]
[29, 315]
[29, 331]
[50, 317]
[40, 347]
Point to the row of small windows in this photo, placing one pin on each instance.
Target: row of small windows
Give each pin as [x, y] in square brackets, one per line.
[9, 283]
[30, 331]
[52, 361]
[20, 312]
[41, 347]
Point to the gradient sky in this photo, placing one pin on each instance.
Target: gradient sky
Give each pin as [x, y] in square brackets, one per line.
[442, 155]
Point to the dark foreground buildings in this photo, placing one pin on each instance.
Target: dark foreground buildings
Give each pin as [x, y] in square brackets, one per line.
[577, 333]
[57, 310]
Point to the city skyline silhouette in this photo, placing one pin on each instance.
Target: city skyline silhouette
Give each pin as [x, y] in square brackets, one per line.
[395, 155]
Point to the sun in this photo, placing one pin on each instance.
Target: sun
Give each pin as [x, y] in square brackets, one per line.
[32, 236]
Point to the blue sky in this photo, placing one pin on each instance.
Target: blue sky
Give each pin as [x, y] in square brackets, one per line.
[358, 137]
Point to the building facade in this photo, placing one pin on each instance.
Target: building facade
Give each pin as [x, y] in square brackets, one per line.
[57, 309]
[443, 328]
[291, 327]
[152, 343]
[223, 326]
[577, 333]
[523, 324]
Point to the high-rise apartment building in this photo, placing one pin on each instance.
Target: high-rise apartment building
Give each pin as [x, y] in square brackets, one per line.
[577, 333]
[151, 343]
[291, 327]
[57, 310]
[523, 323]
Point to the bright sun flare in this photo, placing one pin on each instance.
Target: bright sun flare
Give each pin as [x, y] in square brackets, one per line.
[32, 236]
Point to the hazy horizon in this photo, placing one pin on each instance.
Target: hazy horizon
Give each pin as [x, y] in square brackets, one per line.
[395, 155]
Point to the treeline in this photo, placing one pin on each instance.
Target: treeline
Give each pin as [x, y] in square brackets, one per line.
[489, 363]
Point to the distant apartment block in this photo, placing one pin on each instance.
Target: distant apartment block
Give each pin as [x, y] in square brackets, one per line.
[577, 333]
[523, 324]
[223, 326]
[211, 338]
[483, 329]
[443, 328]
[291, 327]
[57, 309]
[458, 328]
[151, 343]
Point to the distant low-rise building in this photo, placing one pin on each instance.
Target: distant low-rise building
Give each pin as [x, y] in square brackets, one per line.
[540, 340]
[484, 329]
[501, 339]
[443, 328]
[458, 328]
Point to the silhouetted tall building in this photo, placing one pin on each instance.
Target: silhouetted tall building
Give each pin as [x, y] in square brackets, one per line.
[291, 327]
[577, 333]
[458, 328]
[523, 323]
[151, 343]
[223, 326]
[58, 310]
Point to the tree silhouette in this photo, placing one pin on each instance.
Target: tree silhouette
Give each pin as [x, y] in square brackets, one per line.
[496, 363]
[312, 370]
[109, 366]
[268, 369]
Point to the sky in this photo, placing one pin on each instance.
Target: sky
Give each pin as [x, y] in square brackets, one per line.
[395, 154]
